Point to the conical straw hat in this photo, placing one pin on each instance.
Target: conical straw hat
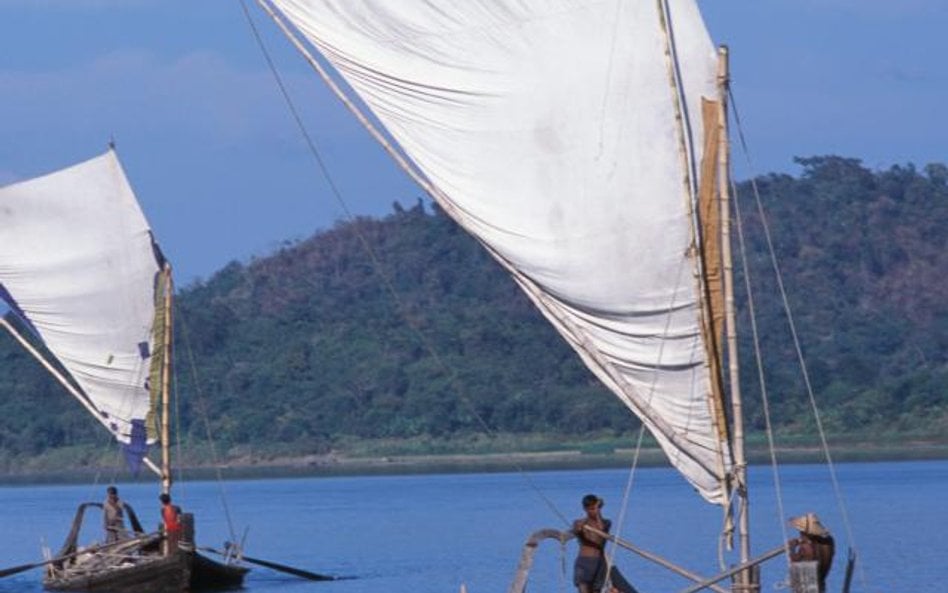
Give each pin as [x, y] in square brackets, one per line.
[810, 524]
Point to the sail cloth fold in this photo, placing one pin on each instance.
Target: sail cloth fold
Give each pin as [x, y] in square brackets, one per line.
[78, 262]
[548, 130]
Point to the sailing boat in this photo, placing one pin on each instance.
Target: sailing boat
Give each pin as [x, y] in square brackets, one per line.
[584, 144]
[81, 270]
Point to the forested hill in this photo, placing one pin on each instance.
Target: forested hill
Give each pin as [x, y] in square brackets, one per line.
[321, 344]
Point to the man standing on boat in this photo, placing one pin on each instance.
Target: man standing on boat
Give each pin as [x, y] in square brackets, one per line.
[172, 524]
[113, 516]
[589, 571]
[815, 544]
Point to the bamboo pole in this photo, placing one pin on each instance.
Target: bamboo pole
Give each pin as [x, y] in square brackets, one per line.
[689, 192]
[90, 550]
[709, 583]
[165, 378]
[740, 463]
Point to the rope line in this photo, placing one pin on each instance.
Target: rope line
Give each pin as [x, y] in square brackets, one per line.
[201, 405]
[758, 358]
[179, 449]
[796, 341]
[627, 491]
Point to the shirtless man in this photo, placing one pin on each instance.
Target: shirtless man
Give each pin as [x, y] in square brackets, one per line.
[589, 572]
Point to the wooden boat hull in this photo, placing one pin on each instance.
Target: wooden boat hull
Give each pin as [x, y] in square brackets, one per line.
[210, 575]
[150, 574]
[185, 571]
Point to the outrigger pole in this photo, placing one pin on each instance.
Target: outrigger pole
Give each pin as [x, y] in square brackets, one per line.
[657, 559]
[700, 582]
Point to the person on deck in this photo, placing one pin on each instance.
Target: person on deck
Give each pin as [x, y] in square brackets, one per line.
[171, 522]
[815, 544]
[589, 571]
[113, 516]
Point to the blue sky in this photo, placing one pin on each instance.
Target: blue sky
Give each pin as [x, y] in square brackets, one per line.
[223, 173]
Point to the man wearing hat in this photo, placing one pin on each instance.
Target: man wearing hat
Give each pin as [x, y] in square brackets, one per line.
[814, 544]
[589, 571]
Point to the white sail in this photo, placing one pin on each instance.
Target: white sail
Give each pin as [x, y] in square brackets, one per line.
[548, 130]
[78, 264]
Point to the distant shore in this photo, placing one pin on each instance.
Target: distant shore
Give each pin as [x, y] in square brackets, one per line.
[317, 465]
[335, 464]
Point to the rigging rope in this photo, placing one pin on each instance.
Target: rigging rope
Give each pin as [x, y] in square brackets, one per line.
[564, 575]
[765, 400]
[796, 341]
[177, 420]
[377, 265]
[627, 493]
[201, 405]
[626, 496]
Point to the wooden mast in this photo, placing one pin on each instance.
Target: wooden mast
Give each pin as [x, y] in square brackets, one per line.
[740, 463]
[165, 379]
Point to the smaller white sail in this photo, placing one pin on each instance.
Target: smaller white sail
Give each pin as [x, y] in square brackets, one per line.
[78, 264]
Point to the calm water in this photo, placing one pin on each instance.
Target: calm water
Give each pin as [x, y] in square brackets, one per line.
[430, 534]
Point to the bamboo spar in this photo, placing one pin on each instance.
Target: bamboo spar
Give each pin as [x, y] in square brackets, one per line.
[656, 559]
[165, 377]
[709, 583]
[740, 464]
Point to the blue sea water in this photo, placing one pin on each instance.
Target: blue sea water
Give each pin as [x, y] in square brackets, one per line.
[433, 533]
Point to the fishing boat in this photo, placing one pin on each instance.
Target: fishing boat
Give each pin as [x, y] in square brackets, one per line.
[584, 144]
[91, 293]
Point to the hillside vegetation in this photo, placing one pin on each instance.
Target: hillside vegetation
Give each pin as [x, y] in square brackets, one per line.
[320, 346]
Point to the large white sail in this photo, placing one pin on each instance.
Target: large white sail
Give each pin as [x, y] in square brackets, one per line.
[548, 130]
[78, 264]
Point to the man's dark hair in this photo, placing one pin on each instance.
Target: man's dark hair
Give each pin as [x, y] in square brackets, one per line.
[591, 500]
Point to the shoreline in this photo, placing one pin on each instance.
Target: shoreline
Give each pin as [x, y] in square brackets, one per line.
[337, 464]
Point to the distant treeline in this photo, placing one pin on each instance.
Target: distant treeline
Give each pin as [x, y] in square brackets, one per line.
[322, 343]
